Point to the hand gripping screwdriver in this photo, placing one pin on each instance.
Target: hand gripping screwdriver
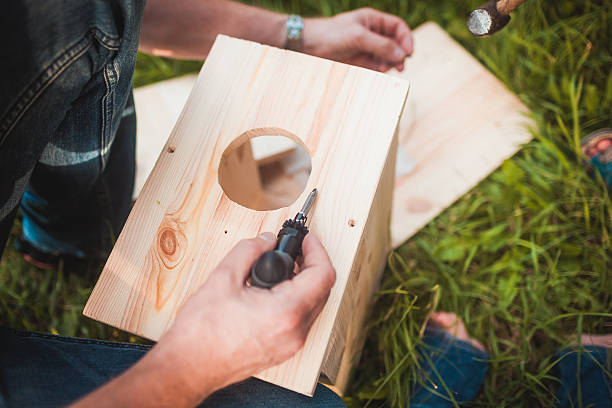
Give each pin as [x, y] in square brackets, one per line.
[275, 266]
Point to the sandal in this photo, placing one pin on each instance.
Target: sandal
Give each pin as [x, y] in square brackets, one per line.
[597, 149]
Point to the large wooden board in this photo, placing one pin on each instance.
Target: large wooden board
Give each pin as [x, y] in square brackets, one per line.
[183, 224]
[460, 124]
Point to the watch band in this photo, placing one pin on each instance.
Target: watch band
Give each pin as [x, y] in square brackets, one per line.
[295, 28]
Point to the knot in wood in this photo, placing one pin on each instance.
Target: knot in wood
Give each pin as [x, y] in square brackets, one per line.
[171, 244]
[167, 241]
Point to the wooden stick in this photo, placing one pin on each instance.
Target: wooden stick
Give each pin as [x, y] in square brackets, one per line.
[505, 7]
[491, 17]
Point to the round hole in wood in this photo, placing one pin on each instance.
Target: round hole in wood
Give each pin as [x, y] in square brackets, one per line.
[265, 169]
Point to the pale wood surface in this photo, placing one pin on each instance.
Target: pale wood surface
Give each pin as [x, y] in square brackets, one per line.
[460, 124]
[158, 107]
[268, 149]
[239, 173]
[349, 334]
[182, 224]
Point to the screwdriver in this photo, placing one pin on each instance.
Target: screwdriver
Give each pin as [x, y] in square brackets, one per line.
[275, 266]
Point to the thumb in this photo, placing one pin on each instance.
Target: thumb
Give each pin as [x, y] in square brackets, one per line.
[381, 47]
[238, 261]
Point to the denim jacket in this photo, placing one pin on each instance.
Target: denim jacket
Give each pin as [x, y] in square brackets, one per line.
[66, 75]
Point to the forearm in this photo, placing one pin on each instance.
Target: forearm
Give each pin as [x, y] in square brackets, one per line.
[188, 28]
[225, 332]
[162, 378]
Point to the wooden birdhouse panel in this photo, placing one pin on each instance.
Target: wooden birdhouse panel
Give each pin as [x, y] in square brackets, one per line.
[184, 223]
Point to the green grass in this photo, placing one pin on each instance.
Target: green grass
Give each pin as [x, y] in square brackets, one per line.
[524, 258]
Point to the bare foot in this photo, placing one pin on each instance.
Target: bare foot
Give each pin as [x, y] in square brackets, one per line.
[603, 340]
[598, 143]
[599, 147]
[453, 325]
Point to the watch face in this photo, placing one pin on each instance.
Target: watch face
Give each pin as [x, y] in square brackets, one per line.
[295, 25]
[294, 33]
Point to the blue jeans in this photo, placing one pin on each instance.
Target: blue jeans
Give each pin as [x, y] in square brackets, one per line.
[67, 124]
[46, 370]
[42, 370]
[451, 365]
[604, 168]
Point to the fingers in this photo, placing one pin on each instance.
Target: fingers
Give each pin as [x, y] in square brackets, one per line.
[381, 47]
[310, 288]
[396, 28]
[403, 36]
[384, 42]
[389, 26]
[237, 263]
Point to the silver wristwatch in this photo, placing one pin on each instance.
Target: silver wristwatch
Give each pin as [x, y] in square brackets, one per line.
[295, 28]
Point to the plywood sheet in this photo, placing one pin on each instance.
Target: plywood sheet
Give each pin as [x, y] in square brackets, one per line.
[460, 123]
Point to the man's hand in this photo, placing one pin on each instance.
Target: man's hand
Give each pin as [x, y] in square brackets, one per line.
[187, 29]
[365, 37]
[226, 331]
[251, 328]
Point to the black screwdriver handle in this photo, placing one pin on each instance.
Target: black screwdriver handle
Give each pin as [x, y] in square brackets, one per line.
[271, 268]
[275, 266]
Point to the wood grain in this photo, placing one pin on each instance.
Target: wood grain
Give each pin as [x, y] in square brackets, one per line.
[158, 107]
[460, 124]
[183, 224]
[349, 335]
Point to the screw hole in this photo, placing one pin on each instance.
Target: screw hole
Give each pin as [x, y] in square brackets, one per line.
[171, 149]
[351, 222]
[225, 232]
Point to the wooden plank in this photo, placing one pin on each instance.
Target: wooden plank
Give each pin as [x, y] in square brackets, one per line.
[183, 224]
[348, 336]
[460, 124]
[158, 107]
